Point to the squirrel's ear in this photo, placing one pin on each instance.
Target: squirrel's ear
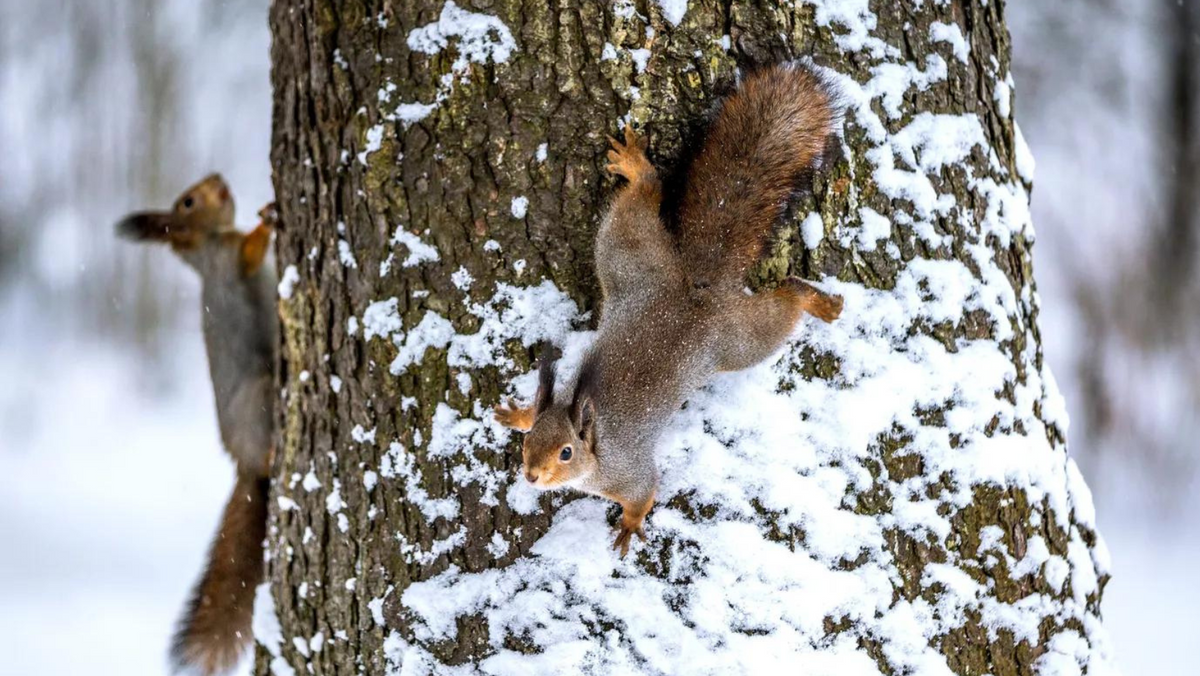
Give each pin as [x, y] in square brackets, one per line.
[545, 392]
[583, 407]
[585, 416]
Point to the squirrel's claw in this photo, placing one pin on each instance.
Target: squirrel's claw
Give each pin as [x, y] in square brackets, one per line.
[628, 159]
[635, 140]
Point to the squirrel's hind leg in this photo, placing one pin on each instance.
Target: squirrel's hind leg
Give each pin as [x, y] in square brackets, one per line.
[762, 322]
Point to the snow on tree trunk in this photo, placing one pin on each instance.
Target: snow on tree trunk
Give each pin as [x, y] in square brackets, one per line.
[892, 494]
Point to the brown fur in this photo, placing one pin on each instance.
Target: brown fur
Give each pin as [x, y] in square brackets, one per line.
[254, 248]
[765, 137]
[674, 312]
[215, 628]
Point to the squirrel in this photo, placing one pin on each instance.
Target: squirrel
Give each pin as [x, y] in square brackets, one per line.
[674, 308]
[238, 317]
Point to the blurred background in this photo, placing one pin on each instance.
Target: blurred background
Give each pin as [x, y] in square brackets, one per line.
[113, 480]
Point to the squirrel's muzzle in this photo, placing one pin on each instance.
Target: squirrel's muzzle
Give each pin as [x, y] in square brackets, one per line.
[145, 226]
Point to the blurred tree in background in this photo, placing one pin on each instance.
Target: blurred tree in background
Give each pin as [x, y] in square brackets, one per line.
[1108, 101]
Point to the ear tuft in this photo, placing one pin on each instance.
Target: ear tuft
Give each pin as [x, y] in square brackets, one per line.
[546, 374]
[583, 408]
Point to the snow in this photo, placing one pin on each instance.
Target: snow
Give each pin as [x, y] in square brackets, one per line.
[1003, 97]
[519, 206]
[434, 331]
[114, 483]
[812, 229]
[951, 34]
[361, 435]
[418, 251]
[346, 254]
[462, 279]
[673, 10]
[381, 318]
[1026, 165]
[374, 143]
[641, 57]
[875, 227]
[478, 38]
[288, 281]
[267, 631]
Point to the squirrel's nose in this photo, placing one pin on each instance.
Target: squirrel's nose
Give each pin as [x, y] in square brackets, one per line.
[531, 475]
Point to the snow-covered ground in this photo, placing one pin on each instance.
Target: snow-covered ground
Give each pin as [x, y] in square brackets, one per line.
[109, 495]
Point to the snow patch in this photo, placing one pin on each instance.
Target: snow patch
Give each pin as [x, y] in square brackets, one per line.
[519, 206]
[288, 281]
[673, 10]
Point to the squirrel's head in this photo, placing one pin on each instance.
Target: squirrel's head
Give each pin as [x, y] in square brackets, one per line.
[203, 211]
[561, 445]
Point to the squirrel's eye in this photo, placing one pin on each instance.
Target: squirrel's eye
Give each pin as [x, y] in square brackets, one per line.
[565, 454]
[188, 202]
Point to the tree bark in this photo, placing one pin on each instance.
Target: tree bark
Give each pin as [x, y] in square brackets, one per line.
[440, 178]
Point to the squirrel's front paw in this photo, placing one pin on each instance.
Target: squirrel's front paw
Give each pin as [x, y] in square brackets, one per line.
[629, 159]
[625, 536]
[514, 417]
[269, 215]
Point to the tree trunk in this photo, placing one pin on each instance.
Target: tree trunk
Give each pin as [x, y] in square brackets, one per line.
[891, 495]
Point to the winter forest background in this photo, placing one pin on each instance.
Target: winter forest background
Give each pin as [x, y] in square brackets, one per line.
[112, 474]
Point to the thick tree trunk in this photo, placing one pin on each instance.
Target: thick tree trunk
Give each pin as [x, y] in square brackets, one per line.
[892, 495]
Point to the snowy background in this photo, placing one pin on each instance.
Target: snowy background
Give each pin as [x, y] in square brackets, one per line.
[112, 475]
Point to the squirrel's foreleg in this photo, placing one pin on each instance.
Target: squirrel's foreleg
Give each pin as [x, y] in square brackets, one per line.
[254, 249]
[633, 515]
[514, 417]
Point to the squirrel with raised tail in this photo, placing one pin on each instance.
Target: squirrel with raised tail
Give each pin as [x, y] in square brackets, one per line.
[674, 310]
[239, 325]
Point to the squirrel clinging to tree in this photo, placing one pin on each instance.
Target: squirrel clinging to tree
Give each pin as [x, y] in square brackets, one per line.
[674, 310]
[239, 325]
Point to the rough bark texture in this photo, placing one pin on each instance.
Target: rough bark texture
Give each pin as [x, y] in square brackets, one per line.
[347, 176]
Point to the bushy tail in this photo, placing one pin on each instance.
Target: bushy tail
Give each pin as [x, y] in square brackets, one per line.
[215, 627]
[765, 136]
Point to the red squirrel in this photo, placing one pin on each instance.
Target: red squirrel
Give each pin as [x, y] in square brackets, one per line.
[238, 317]
[674, 310]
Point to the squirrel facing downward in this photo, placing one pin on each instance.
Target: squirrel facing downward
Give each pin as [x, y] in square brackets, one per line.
[674, 309]
[238, 316]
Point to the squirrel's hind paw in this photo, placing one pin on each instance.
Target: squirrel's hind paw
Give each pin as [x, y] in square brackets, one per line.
[824, 306]
[629, 159]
